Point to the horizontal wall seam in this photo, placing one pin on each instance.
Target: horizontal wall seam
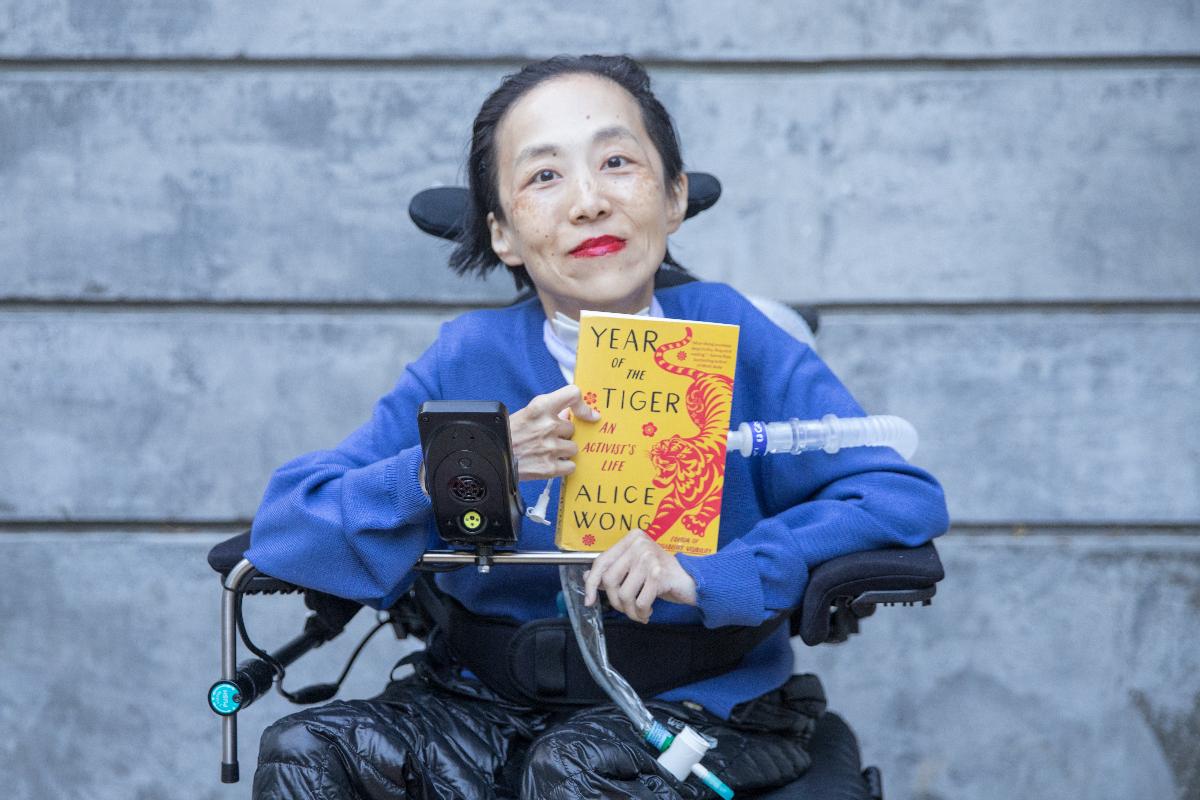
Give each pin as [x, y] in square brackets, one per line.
[17, 527]
[1020, 529]
[1094, 61]
[232, 526]
[27, 305]
[966, 307]
[1073, 306]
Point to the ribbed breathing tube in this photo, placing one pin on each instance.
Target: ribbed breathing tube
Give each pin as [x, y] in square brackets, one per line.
[829, 433]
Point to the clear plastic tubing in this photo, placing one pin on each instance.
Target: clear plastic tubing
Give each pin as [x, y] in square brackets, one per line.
[588, 625]
[827, 433]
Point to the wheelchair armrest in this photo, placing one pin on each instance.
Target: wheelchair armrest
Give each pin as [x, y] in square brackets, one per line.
[843, 590]
[332, 613]
[226, 555]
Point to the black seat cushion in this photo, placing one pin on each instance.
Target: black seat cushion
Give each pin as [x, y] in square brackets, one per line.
[836, 771]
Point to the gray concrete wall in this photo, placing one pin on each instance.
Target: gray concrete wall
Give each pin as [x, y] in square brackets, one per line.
[202, 220]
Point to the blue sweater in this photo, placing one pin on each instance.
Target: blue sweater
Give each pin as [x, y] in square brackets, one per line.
[352, 521]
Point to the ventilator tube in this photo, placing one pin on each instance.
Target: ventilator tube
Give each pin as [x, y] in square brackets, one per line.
[828, 433]
[680, 753]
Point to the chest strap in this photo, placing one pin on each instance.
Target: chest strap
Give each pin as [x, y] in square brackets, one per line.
[539, 662]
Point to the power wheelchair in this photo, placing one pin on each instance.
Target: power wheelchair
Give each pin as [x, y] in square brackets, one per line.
[840, 592]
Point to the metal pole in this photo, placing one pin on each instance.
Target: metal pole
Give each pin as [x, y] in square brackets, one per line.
[501, 557]
[241, 572]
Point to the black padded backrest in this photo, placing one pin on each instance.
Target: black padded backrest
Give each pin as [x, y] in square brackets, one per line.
[442, 210]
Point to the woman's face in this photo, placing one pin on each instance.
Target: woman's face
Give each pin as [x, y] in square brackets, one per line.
[585, 207]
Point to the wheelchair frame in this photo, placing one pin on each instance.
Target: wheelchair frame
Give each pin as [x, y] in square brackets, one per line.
[840, 592]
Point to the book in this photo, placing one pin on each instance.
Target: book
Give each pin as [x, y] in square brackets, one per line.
[656, 458]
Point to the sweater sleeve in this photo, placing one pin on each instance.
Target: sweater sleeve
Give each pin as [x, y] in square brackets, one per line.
[815, 507]
[352, 521]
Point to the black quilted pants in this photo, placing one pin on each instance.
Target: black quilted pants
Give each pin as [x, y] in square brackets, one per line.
[437, 735]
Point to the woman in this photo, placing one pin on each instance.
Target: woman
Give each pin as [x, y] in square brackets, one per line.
[576, 182]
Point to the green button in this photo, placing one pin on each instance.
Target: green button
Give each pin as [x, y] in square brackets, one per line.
[472, 520]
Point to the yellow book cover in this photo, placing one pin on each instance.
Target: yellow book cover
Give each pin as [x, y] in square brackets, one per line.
[656, 458]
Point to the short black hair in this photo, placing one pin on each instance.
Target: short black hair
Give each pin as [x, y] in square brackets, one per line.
[473, 253]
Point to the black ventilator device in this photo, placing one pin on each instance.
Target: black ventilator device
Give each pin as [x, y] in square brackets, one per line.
[470, 474]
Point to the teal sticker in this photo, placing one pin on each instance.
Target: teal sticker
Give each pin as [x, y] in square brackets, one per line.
[224, 698]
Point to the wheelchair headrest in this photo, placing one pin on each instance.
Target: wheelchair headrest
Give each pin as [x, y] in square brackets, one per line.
[442, 210]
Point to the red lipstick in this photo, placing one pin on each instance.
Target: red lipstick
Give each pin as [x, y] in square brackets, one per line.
[599, 246]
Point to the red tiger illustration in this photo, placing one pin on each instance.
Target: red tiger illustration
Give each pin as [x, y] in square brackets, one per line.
[692, 467]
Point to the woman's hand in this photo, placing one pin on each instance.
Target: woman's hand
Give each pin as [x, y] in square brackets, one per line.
[634, 572]
[541, 435]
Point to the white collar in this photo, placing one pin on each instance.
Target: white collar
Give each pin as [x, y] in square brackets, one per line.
[562, 336]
